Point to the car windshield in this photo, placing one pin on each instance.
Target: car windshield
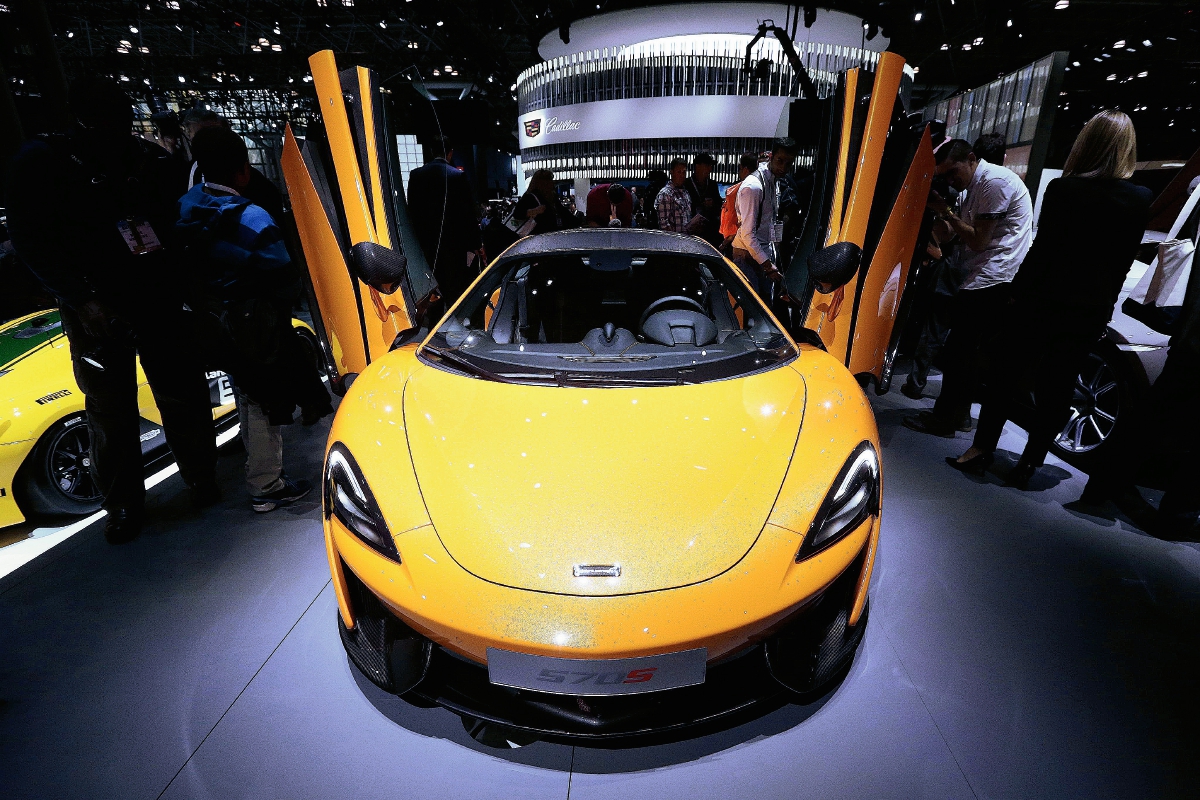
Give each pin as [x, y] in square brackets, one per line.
[609, 318]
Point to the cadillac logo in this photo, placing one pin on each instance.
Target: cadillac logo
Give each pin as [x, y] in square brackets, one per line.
[533, 127]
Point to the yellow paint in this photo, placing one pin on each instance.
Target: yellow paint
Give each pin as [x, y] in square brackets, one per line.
[888, 271]
[618, 485]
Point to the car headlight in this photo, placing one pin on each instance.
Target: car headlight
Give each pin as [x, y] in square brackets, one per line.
[853, 497]
[347, 496]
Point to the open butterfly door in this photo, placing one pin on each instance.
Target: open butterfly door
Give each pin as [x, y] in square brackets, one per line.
[352, 221]
[872, 176]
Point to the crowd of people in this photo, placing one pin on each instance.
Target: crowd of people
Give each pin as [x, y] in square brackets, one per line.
[1014, 316]
[176, 258]
[177, 255]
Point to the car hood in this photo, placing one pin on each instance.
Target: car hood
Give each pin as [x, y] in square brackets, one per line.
[671, 484]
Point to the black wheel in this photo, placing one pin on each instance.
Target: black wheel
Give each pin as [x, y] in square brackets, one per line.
[56, 478]
[1106, 393]
[312, 350]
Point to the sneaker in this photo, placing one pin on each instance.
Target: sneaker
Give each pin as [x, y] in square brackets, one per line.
[911, 390]
[926, 422]
[290, 492]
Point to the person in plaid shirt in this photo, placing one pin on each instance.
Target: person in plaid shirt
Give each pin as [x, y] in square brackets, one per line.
[673, 206]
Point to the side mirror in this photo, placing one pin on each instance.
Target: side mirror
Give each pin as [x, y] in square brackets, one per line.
[381, 268]
[407, 335]
[833, 266]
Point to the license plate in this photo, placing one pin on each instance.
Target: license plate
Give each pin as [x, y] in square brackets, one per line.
[576, 676]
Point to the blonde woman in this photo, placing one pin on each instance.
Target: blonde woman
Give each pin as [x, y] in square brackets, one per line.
[1091, 224]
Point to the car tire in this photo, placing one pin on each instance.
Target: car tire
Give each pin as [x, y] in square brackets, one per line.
[311, 349]
[1108, 393]
[55, 479]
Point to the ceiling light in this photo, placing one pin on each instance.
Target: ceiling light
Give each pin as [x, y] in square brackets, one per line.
[945, 47]
[491, 79]
[1143, 74]
[449, 68]
[275, 30]
[382, 23]
[437, 72]
[966, 47]
[978, 41]
[263, 41]
[1119, 43]
[133, 29]
[143, 49]
[125, 43]
[70, 34]
[146, 81]
[916, 17]
[1061, 4]
[1111, 78]
[1106, 55]
[276, 47]
[512, 88]
[1074, 63]
[1099, 60]
[182, 79]
[1146, 43]
[1009, 25]
[440, 23]
[256, 48]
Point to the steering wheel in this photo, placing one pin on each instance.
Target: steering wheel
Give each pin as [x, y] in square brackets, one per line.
[662, 301]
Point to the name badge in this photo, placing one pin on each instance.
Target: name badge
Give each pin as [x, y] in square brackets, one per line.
[138, 235]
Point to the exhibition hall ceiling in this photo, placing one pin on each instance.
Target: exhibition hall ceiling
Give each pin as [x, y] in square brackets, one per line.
[1138, 55]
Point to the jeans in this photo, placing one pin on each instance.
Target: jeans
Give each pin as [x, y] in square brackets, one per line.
[759, 282]
[933, 338]
[105, 370]
[264, 448]
[979, 317]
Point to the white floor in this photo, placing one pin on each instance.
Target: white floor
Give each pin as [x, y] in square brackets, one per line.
[1016, 649]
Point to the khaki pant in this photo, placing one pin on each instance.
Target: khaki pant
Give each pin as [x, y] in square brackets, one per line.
[264, 448]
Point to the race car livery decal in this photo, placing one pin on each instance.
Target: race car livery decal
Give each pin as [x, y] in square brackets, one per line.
[50, 398]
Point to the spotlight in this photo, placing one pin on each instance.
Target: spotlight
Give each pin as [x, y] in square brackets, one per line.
[1061, 4]
[133, 29]
[917, 17]
[945, 47]
[810, 16]
[1146, 43]
[182, 79]
[1118, 44]
[1009, 25]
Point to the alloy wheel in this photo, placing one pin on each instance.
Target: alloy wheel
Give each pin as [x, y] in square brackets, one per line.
[1094, 408]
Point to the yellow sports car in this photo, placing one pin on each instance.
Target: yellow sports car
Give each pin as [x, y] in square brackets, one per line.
[609, 492]
[43, 432]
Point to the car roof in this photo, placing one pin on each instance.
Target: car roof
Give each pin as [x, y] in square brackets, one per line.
[610, 239]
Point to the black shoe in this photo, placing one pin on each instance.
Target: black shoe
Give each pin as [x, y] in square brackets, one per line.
[1019, 475]
[205, 494]
[290, 492]
[123, 526]
[311, 416]
[926, 422]
[965, 423]
[912, 390]
[976, 465]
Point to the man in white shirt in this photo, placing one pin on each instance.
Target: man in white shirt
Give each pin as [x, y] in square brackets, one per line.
[758, 231]
[995, 228]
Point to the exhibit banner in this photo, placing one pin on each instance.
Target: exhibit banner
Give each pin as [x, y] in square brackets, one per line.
[655, 118]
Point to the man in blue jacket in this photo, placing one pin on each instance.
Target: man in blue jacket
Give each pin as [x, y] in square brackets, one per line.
[244, 285]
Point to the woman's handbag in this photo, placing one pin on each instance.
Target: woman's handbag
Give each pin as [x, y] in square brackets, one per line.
[1157, 300]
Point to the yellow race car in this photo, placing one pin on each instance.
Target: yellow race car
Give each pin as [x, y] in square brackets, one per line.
[43, 428]
[609, 492]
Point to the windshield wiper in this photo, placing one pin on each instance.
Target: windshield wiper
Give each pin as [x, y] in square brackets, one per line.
[469, 366]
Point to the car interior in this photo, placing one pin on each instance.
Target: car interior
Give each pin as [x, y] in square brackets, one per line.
[624, 310]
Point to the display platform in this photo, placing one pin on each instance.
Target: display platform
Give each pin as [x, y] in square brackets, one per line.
[1015, 649]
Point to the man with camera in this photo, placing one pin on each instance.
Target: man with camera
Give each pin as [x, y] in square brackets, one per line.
[91, 213]
[995, 230]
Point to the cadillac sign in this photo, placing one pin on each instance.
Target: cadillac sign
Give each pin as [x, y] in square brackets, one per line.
[553, 125]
